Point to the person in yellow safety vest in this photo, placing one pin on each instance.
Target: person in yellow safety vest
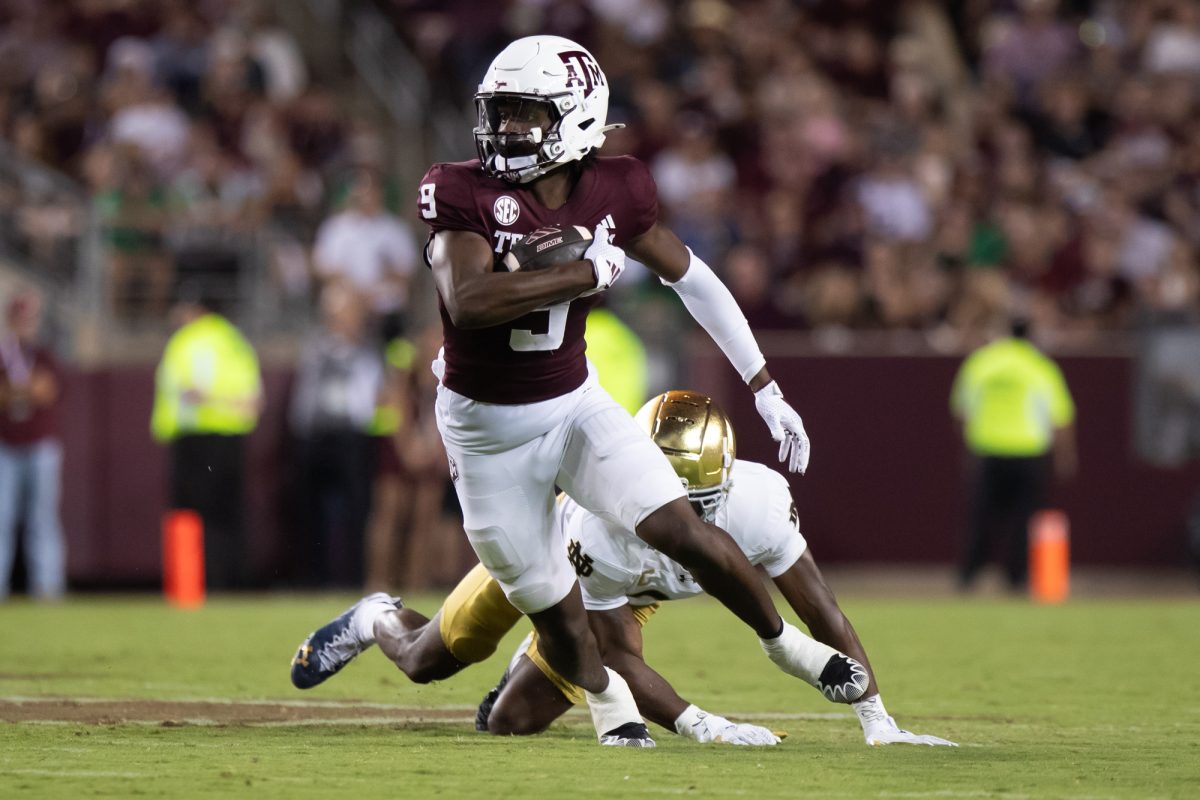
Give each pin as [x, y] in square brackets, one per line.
[208, 397]
[619, 358]
[1016, 409]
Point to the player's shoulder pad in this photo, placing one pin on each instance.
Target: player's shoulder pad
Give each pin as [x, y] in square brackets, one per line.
[447, 197]
[638, 191]
[629, 169]
[769, 486]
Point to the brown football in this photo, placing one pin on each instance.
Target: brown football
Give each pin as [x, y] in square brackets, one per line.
[545, 247]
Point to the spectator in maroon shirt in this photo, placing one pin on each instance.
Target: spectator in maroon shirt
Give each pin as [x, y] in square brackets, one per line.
[30, 451]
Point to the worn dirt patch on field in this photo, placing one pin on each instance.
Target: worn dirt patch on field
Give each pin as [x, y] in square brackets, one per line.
[200, 712]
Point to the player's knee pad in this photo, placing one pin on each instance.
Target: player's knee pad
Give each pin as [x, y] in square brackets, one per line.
[531, 577]
[497, 553]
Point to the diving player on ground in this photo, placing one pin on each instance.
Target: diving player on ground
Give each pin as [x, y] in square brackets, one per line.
[623, 582]
[517, 409]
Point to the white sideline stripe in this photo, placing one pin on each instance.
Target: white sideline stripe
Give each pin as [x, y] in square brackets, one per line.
[959, 793]
[225, 701]
[789, 714]
[409, 710]
[201, 722]
[73, 773]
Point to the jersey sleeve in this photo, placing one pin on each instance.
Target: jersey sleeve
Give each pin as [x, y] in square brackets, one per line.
[781, 542]
[446, 201]
[642, 192]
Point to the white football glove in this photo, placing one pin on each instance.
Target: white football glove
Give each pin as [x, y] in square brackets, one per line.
[785, 426]
[887, 732]
[695, 723]
[608, 260]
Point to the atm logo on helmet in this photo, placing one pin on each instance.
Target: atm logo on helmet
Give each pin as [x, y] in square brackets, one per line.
[582, 70]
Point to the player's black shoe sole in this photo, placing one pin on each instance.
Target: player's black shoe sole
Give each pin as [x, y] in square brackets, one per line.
[484, 712]
[843, 680]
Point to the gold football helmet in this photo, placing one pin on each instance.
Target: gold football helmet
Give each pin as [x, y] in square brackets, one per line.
[697, 439]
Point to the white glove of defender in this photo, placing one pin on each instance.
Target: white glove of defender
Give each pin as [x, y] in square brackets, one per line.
[887, 732]
[785, 426]
[608, 260]
[695, 723]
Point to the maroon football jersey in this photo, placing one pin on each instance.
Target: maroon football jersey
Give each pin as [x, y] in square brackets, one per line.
[540, 355]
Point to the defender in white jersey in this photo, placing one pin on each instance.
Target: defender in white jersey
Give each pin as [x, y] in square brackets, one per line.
[615, 567]
[623, 583]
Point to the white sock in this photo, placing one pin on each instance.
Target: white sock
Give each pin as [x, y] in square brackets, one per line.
[613, 707]
[870, 711]
[366, 614]
[797, 654]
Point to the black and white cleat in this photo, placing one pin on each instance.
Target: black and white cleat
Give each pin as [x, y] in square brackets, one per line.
[843, 680]
[631, 734]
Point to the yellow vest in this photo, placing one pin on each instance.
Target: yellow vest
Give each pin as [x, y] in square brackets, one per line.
[619, 358]
[1011, 397]
[207, 382]
[399, 355]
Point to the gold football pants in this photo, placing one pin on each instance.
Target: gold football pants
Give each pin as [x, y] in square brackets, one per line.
[477, 615]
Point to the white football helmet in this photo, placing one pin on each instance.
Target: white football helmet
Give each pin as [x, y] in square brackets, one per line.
[537, 74]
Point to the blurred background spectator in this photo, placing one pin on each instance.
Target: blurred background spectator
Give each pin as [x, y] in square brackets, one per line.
[339, 381]
[31, 453]
[371, 251]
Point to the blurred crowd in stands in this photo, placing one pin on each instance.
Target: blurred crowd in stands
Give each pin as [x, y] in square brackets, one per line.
[196, 130]
[846, 164]
[902, 164]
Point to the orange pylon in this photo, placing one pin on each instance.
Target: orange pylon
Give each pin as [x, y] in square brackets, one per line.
[183, 558]
[1049, 556]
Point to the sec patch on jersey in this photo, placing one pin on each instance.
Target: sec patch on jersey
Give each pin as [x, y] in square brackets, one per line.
[545, 247]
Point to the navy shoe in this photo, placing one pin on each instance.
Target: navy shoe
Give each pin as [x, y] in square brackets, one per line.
[631, 734]
[332, 646]
[843, 680]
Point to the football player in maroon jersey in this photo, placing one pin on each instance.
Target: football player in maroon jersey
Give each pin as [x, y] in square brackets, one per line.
[517, 408]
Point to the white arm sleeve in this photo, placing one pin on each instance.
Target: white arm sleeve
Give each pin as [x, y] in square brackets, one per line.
[711, 304]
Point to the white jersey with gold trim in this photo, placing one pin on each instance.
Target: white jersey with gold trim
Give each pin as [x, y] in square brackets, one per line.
[615, 567]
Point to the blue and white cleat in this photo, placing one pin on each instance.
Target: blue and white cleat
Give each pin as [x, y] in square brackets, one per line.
[333, 645]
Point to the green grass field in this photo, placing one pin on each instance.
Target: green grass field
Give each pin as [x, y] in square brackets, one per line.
[1090, 700]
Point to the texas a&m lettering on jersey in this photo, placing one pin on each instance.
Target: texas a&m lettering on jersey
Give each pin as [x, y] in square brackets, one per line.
[540, 355]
